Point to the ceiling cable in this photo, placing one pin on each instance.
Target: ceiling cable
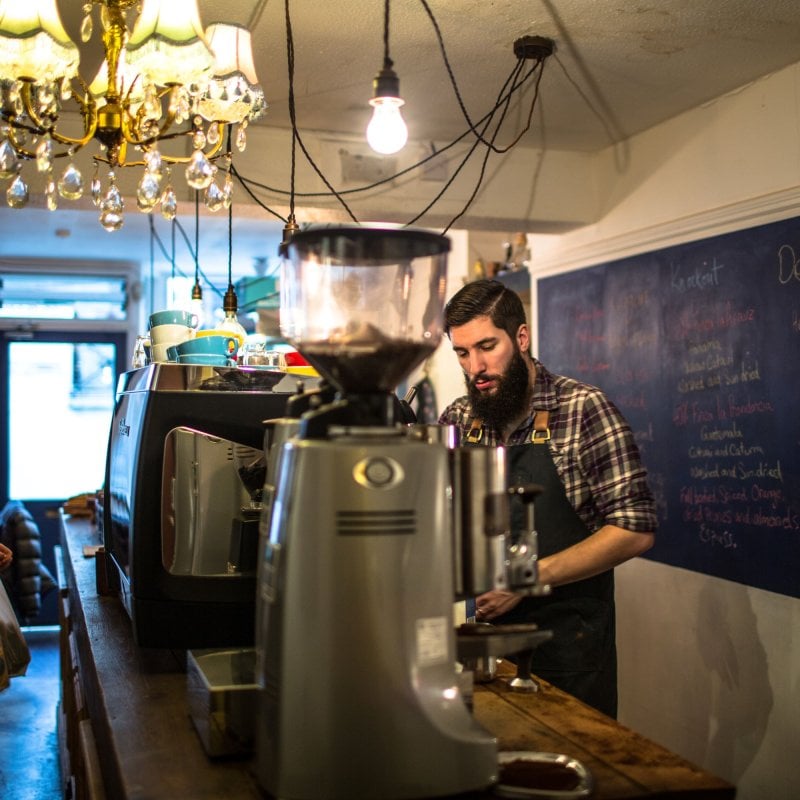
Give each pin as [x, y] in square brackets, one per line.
[516, 86]
[296, 139]
[478, 140]
[197, 290]
[514, 83]
[538, 53]
[152, 259]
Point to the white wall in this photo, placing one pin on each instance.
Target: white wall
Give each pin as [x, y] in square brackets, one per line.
[708, 668]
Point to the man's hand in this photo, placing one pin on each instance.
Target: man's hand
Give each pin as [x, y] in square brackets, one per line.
[6, 556]
[493, 604]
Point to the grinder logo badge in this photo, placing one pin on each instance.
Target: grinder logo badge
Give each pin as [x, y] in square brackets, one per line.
[124, 428]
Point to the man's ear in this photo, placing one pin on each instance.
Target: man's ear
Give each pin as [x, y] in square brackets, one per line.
[523, 339]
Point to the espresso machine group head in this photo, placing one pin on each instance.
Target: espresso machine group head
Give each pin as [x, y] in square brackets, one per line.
[355, 638]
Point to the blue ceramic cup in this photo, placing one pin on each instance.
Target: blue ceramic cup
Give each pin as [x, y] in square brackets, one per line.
[208, 345]
[206, 360]
[174, 316]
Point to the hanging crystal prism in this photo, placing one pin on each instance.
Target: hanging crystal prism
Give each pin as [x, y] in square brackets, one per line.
[151, 105]
[96, 186]
[212, 135]
[148, 193]
[46, 99]
[241, 137]
[148, 129]
[20, 138]
[214, 198]
[70, 185]
[169, 203]
[17, 193]
[200, 171]
[179, 105]
[50, 193]
[44, 155]
[111, 208]
[86, 25]
[152, 158]
[16, 106]
[8, 160]
[149, 113]
[198, 139]
[111, 220]
[227, 191]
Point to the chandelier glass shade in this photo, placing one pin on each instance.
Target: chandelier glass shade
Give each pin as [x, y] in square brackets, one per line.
[167, 45]
[164, 95]
[233, 93]
[35, 43]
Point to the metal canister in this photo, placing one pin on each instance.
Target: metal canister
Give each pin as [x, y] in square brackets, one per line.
[481, 519]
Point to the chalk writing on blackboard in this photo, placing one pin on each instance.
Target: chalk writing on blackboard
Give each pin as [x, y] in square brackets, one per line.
[698, 345]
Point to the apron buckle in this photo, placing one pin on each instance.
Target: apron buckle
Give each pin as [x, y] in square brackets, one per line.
[475, 433]
[541, 429]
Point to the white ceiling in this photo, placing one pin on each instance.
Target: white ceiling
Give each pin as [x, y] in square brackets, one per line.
[618, 69]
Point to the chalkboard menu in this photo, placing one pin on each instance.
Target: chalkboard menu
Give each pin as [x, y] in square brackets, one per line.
[699, 346]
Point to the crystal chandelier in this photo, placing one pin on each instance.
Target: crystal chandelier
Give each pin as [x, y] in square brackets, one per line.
[164, 81]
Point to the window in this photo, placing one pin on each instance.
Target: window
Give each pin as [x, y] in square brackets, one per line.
[57, 296]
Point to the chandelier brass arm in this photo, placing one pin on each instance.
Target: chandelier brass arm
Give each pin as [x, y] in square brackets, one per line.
[160, 81]
[24, 102]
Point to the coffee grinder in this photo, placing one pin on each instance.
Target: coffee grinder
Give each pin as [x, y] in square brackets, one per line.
[355, 639]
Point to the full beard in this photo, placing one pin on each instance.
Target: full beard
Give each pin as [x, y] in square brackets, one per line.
[509, 399]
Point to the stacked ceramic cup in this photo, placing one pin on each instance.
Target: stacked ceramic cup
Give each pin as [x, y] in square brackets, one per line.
[170, 328]
[212, 350]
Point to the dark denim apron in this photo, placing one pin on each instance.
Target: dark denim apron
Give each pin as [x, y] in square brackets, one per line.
[581, 658]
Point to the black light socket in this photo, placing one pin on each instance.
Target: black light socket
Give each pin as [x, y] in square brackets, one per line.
[386, 83]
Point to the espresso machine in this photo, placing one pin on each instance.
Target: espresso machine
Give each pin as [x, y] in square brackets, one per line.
[355, 638]
[184, 474]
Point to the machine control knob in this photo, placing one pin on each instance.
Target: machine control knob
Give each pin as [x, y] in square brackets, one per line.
[379, 471]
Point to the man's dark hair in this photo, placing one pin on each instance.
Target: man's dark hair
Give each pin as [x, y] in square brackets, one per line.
[485, 298]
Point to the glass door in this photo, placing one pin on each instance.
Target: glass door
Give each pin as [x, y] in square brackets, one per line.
[58, 398]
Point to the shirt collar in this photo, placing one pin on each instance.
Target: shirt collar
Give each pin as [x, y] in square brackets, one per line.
[544, 395]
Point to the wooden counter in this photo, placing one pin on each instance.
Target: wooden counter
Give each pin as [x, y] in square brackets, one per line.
[130, 735]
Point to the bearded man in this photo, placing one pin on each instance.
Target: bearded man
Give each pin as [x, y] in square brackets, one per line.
[596, 509]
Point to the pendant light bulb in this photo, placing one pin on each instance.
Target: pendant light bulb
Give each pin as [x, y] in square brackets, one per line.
[387, 132]
[230, 324]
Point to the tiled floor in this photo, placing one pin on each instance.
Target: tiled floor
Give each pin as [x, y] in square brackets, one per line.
[29, 765]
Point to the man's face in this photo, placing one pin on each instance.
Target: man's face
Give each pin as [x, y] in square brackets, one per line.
[495, 369]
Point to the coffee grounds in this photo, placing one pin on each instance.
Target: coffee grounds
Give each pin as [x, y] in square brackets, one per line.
[539, 775]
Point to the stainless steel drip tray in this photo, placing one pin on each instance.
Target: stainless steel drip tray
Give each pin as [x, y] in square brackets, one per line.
[482, 640]
[222, 695]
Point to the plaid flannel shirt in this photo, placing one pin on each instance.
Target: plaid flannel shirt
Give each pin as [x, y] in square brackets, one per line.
[592, 446]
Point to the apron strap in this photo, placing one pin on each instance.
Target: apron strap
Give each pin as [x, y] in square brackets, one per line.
[475, 432]
[541, 430]
[539, 435]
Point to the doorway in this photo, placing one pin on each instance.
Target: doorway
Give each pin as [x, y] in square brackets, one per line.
[57, 389]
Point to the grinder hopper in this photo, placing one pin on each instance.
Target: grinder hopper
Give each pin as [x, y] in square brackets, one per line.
[363, 304]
